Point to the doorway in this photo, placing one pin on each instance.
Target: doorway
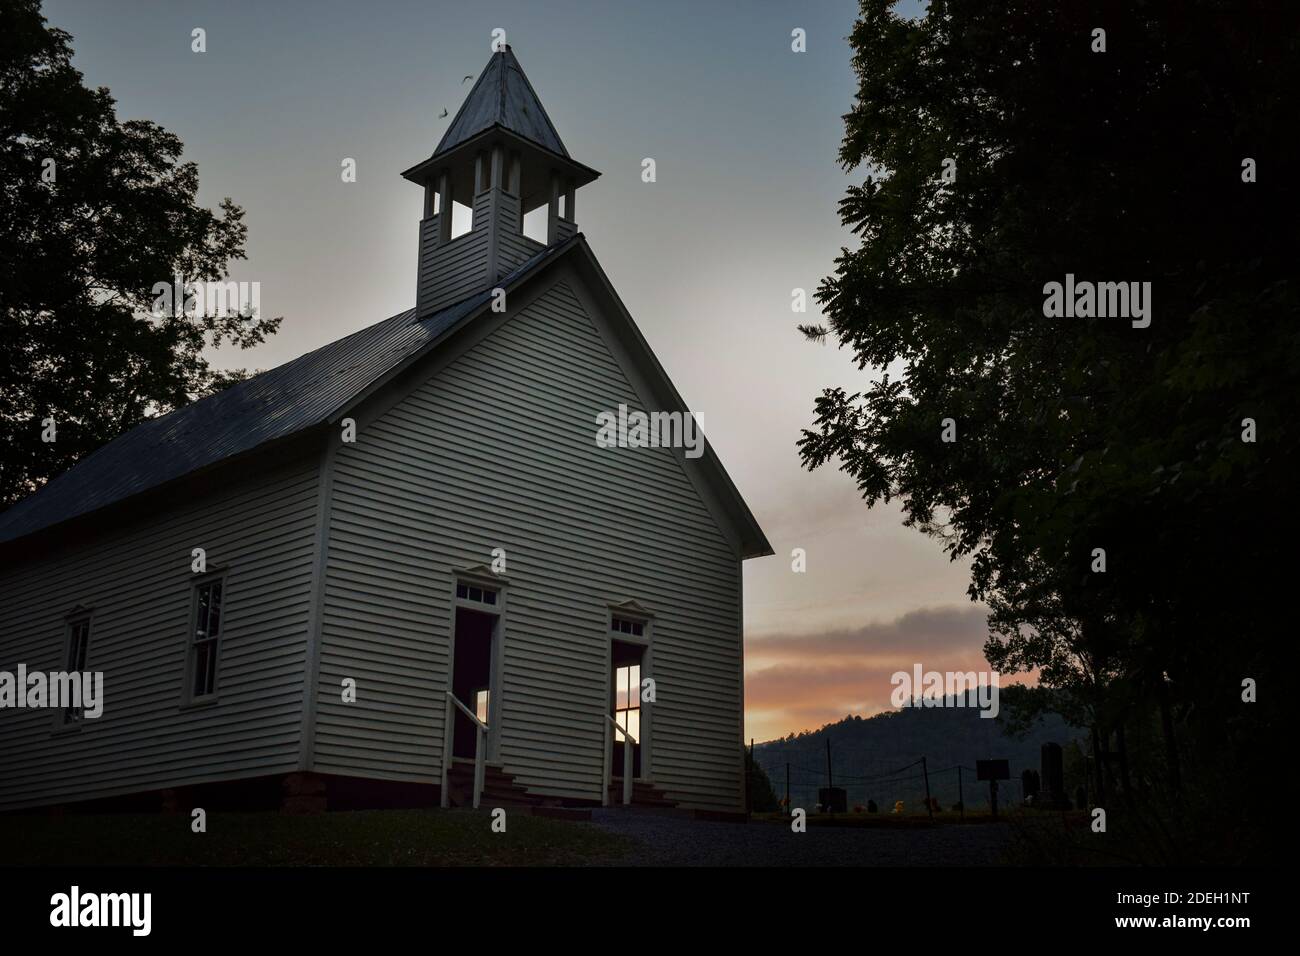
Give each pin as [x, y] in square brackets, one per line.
[472, 678]
[625, 685]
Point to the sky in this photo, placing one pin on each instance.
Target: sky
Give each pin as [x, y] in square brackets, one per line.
[744, 133]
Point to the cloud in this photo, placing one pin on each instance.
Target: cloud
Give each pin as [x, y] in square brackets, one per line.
[926, 630]
[796, 682]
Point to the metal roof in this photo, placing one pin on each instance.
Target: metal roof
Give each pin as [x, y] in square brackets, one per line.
[502, 97]
[275, 404]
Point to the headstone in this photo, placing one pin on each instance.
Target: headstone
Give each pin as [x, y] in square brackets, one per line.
[993, 771]
[1029, 783]
[1053, 781]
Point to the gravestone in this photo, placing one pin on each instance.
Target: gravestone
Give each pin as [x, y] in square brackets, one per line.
[1029, 783]
[1053, 781]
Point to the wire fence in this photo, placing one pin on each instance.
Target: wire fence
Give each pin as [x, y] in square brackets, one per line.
[948, 787]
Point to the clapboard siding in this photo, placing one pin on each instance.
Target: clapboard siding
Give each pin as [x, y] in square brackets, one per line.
[516, 249]
[503, 207]
[461, 267]
[513, 247]
[139, 583]
[456, 269]
[498, 450]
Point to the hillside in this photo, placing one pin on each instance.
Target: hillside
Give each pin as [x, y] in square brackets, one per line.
[878, 758]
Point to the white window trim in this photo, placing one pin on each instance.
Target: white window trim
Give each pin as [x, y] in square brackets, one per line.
[189, 699]
[482, 577]
[644, 640]
[78, 615]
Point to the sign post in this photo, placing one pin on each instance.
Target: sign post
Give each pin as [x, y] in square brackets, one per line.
[993, 771]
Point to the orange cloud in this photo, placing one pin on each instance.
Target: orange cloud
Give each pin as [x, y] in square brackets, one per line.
[796, 682]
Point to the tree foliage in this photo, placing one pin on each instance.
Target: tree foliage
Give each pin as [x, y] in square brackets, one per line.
[761, 796]
[95, 212]
[1075, 434]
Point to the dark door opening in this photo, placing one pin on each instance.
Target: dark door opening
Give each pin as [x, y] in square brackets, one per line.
[471, 675]
[626, 698]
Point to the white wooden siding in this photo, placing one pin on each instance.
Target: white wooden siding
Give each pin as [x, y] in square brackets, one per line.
[498, 450]
[139, 583]
[456, 269]
[516, 249]
[459, 268]
[513, 247]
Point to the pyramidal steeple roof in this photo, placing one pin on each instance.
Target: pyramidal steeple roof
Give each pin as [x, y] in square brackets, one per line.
[503, 97]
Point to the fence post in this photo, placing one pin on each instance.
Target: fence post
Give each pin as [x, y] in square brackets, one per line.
[929, 807]
[750, 767]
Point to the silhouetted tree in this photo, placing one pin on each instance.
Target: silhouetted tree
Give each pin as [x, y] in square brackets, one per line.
[1004, 149]
[762, 798]
[95, 212]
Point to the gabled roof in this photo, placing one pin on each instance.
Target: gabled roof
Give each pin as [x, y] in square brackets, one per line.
[317, 389]
[502, 97]
[301, 394]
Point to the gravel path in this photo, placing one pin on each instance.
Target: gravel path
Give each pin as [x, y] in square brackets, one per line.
[679, 841]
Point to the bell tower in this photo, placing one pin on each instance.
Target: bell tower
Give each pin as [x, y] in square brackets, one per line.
[501, 157]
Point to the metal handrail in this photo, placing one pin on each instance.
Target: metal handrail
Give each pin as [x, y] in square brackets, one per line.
[627, 760]
[448, 742]
[620, 728]
[468, 713]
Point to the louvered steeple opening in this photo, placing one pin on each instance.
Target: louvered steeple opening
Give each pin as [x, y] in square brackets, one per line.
[501, 156]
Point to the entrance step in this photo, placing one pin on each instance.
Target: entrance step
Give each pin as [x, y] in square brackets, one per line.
[499, 787]
[643, 795]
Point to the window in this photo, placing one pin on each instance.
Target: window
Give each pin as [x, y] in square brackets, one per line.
[78, 642]
[472, 592]
[481, 705]
[204, 642]
[627, 701]
[622, 625]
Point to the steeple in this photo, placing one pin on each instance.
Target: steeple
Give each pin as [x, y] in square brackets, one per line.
[503, 157]
[503, 97]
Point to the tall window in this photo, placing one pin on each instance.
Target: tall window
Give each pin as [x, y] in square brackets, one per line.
[78, 642]
[204, 640]
[627, 701]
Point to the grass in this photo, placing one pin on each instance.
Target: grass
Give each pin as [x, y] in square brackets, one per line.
[361, 838]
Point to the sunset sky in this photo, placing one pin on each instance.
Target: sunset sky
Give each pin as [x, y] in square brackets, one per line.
[744, 133]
